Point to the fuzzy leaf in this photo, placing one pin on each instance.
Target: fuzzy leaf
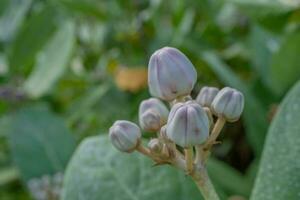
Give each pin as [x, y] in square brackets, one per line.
[278, 176]
[99, 172]
[40, 142]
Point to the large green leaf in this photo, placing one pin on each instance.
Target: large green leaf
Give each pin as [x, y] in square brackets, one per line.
[40, 142]
[99, 172]
[278, 176]
[285, 67]
[52, 61]
[256, 125]
[33, 35]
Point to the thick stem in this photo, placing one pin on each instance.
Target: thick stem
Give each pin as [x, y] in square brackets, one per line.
[189, 159]
[205, 185]
[199, 154]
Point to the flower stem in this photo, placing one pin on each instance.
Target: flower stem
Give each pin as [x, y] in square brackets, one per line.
[189, 159]
[212, 138]
[205, 185]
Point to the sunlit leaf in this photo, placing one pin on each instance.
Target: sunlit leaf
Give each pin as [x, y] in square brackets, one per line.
[12, 17]
[52, 61]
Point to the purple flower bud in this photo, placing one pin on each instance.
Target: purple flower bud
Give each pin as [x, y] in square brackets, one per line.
[170, 74]
[229, 103]
[188, 124]
[124, 135]
[206, 96]
[153, 114]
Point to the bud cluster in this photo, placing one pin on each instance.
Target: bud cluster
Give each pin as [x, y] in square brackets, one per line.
[189, 125]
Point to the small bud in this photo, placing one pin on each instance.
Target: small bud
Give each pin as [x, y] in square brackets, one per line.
[153, 114]
[229, 103]
[155, 146]
[170, 74]
[188, 124]
[206, 96]
[125, 135]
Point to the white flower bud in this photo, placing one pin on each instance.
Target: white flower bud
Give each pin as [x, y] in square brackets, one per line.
[206, 96]
[124, 135]
[229, 103]
[170, 74]
[153, 114]
[155, 146]
[188, 124]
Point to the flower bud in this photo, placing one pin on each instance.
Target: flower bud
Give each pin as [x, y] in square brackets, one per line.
[155, 146]
[170, 74]
[188, 124]
[124, 135]
[153, 114]
[206, 96]
[229, 103]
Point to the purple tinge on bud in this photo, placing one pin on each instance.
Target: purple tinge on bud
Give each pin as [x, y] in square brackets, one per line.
[188, 124]
[124, 135]
[170, 74]
[206, 96]
[153, 114]
[229, 103]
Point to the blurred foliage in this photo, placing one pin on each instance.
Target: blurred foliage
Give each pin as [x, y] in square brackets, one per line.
[84, 61]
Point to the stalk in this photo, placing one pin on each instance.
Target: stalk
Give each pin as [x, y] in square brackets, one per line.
[205, 185]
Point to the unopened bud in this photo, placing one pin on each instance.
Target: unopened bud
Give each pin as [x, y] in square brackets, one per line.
[170, 74]
[155, 146]
[188, 124]
[153, 114]
[206, 96]
[125, 135]
[229, 103]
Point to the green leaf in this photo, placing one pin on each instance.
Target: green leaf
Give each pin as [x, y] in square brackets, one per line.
[256, 125]
[278, 176]
[261, 8]
[12, 17]
[99, 172]
[220, 173]
[285, 66]
[84, 7]
[51, 62]
[262, 44]
[8, 175]
[40, 142]
[86, 102]
[33, 35]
